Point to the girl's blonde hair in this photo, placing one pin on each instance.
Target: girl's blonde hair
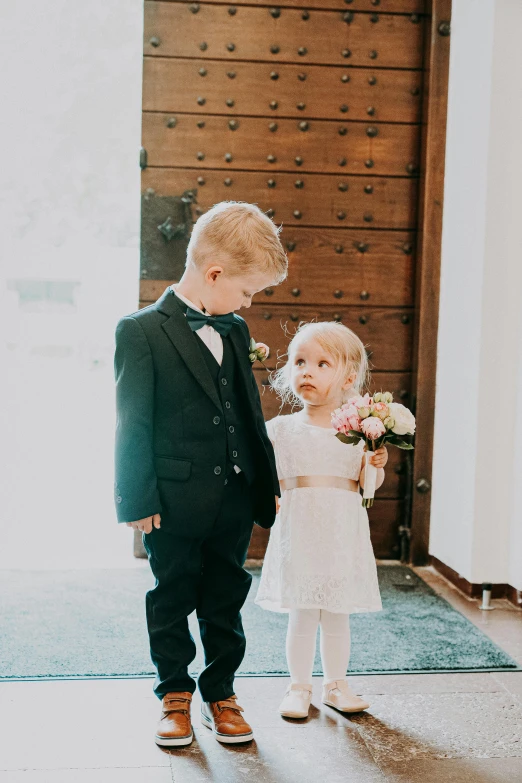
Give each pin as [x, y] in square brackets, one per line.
[343, 345]
[244, 233]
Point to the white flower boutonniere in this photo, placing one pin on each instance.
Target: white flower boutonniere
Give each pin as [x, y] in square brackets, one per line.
[258, 352]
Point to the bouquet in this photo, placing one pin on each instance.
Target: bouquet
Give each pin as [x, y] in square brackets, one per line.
[375, 420]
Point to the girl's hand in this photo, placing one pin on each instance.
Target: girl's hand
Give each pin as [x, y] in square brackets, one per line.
[380, 457]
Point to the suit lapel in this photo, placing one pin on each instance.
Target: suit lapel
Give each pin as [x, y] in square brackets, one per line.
[183, 340]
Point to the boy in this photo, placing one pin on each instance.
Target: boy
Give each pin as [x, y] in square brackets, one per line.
[194, 465]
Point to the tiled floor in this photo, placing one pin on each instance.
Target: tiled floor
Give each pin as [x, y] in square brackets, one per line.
[448, 728]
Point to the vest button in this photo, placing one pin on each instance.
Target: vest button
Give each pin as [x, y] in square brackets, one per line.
[227, 404]
[216, 419]
[234, 453]
[231, 428]
[224, 381]
[217, 470]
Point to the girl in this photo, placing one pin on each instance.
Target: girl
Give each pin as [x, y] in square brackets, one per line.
[319, 565]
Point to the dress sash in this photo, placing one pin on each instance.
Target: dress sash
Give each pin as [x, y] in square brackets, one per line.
[333, 482]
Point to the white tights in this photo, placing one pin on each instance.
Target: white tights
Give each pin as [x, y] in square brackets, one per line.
[334, 645]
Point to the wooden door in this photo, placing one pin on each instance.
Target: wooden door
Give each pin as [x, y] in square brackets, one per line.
[316, 115]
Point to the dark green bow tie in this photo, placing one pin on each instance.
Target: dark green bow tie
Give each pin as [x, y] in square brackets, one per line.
[221, 323]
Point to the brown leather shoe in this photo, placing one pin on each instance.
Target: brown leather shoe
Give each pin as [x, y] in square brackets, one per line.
[174, 728]
[225, 720]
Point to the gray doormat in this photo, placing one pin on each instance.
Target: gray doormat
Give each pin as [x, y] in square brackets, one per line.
[78, 624]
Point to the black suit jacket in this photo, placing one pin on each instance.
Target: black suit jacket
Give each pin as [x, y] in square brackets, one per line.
[170, 456]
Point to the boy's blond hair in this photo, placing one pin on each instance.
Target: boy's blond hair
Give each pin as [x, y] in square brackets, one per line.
[244, 233]
[346, 349]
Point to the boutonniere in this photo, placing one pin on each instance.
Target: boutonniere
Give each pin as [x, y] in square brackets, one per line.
[258, 352]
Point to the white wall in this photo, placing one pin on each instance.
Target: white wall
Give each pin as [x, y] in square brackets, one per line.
[69, 209]
[71, 90]
[498, 519]
[476, 522]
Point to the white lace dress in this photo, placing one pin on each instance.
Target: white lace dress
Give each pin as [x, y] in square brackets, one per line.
[319, 554]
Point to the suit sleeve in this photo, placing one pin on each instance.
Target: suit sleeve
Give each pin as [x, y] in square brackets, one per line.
[135, 489]
[260, 421]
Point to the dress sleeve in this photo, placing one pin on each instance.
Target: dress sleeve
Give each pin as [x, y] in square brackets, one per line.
[271, 428]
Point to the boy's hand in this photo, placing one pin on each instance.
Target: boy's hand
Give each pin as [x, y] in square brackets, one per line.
[380, 457]
[145, 525]
[277, 504]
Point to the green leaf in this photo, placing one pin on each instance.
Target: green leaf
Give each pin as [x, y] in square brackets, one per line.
[403, 445]
[391, 439]
[350, 440]
[396, 440]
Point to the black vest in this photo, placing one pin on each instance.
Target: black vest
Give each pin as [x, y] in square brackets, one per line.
[234, 419]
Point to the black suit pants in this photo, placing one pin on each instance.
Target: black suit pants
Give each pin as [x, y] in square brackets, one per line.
[204, 574]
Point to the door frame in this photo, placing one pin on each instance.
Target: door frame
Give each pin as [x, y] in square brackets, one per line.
[427, 285]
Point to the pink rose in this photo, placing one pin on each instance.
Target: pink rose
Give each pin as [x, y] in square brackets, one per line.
[339, 422]
[381, 410]
[373, 427]
[360, 402]
[352, 417]
[345, 419]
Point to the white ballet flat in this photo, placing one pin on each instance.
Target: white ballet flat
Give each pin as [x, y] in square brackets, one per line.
[338, 694]
[296, 701]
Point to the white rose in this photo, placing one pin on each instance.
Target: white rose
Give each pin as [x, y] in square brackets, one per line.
[404, 419]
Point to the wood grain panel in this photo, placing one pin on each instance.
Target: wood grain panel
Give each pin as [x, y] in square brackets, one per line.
[323, 262]
[258, 543]
[383, 95]
[319, 202]
[384, 6]
[383, 332]
[388, 150]
[384, 516]
[252, 33]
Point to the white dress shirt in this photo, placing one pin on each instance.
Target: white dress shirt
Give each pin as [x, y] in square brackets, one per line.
[208, 334]
[210, 337]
